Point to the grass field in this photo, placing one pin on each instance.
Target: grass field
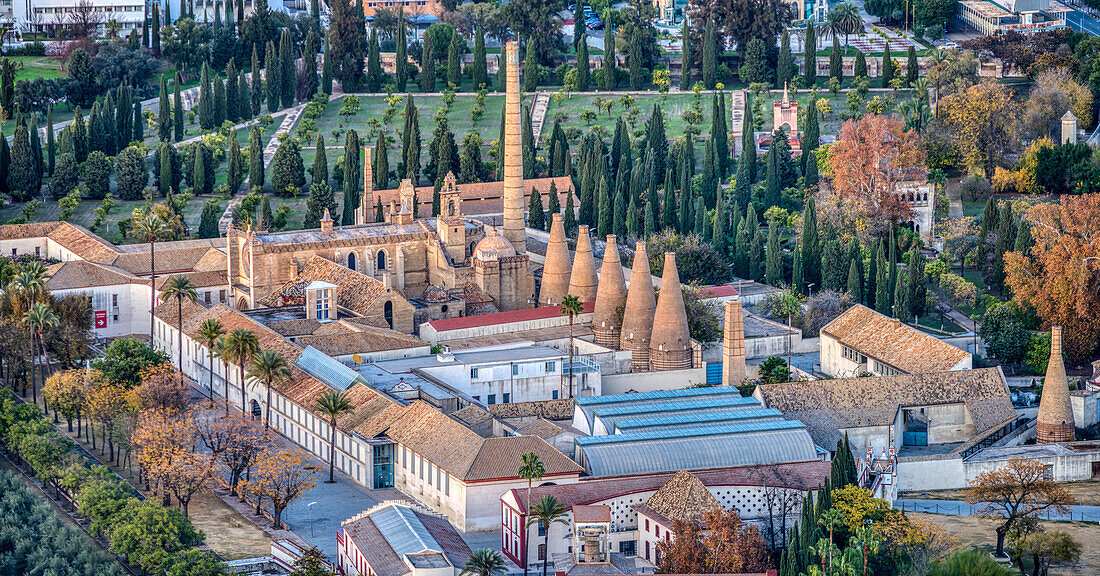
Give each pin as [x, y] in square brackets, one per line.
[37, 67]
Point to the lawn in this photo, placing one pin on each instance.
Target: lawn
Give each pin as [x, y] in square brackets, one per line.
[37, 67]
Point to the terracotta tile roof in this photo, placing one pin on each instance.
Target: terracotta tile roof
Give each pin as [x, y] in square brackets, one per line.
[892, 342]
[467, 456]
[723, 291]
[208, 279]
[358, 292]
[502, 317]
[829, 406]
[362, 339]
[294, 326]
[560, 409]
[485, 197]
[29, 230]
[168, 261]
[83, 243]
[592, 513]
[683, 497]
[795, 475]
[77, 274]
[542, 428]
[471, 415]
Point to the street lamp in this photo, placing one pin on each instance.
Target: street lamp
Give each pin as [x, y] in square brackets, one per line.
[810, 290]
[310, 507]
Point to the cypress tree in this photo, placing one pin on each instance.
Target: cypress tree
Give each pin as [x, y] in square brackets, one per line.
[887, 66]
[553, 206]
[22, 174]
[871, 290]
[326, 70]
[155, 32]
[720, 133]
[273, 72]
[531, 66]
[208, 223]
[582, 63]
[620, 218]
[718, 227]
[536, 218]
[916, 290]
[811, 245]
[124, 116]
[742, 249]
[232, 93]
[256, 88]
[375, 75]
[244, 97]
[164, 168]
[381, 168]
[221, 102]
[649, 226]
[772, 184]
[882, 282]
[1024, 241]
[860, 68]
[267, 219]
[604, 210]
[79, 137]
[479, 71]
[255, 159]
[687, 61]
[811, 137]
[51, 152]
[235, 172]
[199, 178]
[206, 99]
[610, 69]
[756, 257]
[427, 68]
[892, 258]
[670, 216]
[797, 283]
[145, 27]
[177, 111]
[748, 142]
[637, 71]
[288, 75]
[454, 62]
[321, 198]
[5, 166]
[701, 229]
[784, 70]
[710, 55]
[836, 64]
[96, 140]
[401, 71]
[287, 171]
[901, 300]
[229, 12]
[36, 148]
[528, 137]
[773, 270]
[989, 218]
[569, 218]
[411, 146]
[911, 68]
[352, 169]
[809, 74]
[319, 171]
[834, 277]
[855, 284]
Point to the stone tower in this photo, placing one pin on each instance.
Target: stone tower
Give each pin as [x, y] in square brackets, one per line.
[365, 213]
[555, 272]
[515, 230]
[638, 313]
[670, 344]
[610, 298]
[582, 279]
[733, 345]
[1055, 420]
[451, 225]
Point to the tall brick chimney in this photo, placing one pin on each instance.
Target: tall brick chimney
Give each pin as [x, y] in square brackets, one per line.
[638, 313]
[733, 345]
[555, 272]
[366, 201]
[515, 229]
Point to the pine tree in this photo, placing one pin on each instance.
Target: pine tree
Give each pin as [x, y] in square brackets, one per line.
[375, 75]
[177, 111]
[479, 71]
[811, 245]
[710, 55]
[859, 70]
[569, 219]
[319, 171]
[427, 68]
[273, 81]
[381, 168]
[208, 223]
[221, 104]
[352, 171]
[610, 65]
[887, 66]
[809, 75]
[911, 68]
[255, 158]
[882, 283]
[836, 64]
[784, 70]
[401, 71]
[536, 218]
[235, 172]
[582, 63]
[454, 61]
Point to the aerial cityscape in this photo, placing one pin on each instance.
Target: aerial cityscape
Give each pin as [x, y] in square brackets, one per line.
[539, 288]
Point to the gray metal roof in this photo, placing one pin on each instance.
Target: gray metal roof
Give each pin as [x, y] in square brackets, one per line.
[642, 397]
[403, 531]
[328, 370]
[676, 452]
[610, 415]
[675, 421]
[714, 430]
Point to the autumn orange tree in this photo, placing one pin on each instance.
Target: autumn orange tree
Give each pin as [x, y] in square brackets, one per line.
[1017, 492]
[1060, 276]
[281, 476]
[107, 403]
[65, 392]
[984, 120]
[721, 544]
[869, 161]
[161, 439]
[161, 390]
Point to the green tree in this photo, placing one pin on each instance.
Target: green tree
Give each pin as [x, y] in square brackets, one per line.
[784, 70]
[887, 66]
[177, 111]
[273, 78]
[836, 66]
[709, 55]
[347, 43]
[23, 177]
[479, 68]
[1005, 336]
[536, 218]
[375, 75]
[149, 535]
[454, 60]
[912, 70]
[235, 171]
[635, 63]
[571, 306]
[97, 175]
[65, 176]
[208, 222]
[860, 68]
[811, 136]
[773, 273]
[485, 562]
[206, 99]
[427, 68]
[401, 71]
[287, 170]
[381, 168]
[810, 245]
[352, 174]
[255, 158]
[179, 288]
[582, 63]
[269, 367]
[321, 198]
[319, 171]
[855, 283]
[610, 69]
[164, 111]
[756, 69]
[132, 175]
[221, 104]
[809, 77]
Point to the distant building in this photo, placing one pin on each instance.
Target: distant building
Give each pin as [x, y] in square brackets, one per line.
[990, 17]
[399, 539]
[862, 341]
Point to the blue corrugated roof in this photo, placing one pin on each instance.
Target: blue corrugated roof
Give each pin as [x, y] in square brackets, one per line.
[328, 370]
[683, 420]
[675, 406]
[635, 397]
[717, 430]
[714, 373]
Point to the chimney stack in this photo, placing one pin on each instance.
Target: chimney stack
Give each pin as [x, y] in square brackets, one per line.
[582, 280]
[555, 271]
[1055, 419]
[366, 202]
[670, 344]
[610, 297]
[326, 223]
[515, 229]
[1069, 128]
[733, 345]
[638, 312]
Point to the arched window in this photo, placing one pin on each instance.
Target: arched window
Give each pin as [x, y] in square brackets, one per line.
[256, 411]
[381, 260]
[387, 313]
[351, 261]
[451, 208]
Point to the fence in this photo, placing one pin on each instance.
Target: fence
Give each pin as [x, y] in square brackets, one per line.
[1076, 513]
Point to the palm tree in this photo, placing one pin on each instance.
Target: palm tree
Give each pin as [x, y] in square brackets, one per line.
[844, 19]
[830, 521]
[546, 511]
[210, 331]
[332, 405]
[532, 470]
[483, 562]
[223, 353]
[571, 305]
[179, 287]
[267, 367]
[112, 27]
[31, 283]
[38, 318]
[242, 345]
[150, 228]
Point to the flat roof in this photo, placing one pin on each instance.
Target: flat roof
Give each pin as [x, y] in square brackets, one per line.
[471, 358]
[497, 318]
[638, 397]
[717, 430]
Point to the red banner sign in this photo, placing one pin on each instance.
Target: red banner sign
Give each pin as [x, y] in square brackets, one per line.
[100, 318]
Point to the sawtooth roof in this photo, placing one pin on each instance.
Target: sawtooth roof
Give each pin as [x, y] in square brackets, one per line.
[829, 406]
[889, 340]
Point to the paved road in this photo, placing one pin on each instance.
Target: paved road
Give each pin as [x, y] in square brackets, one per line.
[957, 508]
[1083, 22]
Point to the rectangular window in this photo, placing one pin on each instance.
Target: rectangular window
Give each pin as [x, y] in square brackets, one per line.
[430, 466]
[206, 297]
[542, 529]
[420, 469]
[554, 394]
[37, 252]
[515, 369]
[447, 484]
[542, 551]
[507, 397]
[323, 304]
[492, 399]
[551, 366]
[473, 373]
[647, 524]
[221, 295]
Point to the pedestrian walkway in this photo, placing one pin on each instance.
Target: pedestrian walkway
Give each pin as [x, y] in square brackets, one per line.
[538, 113]
[737, 106]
